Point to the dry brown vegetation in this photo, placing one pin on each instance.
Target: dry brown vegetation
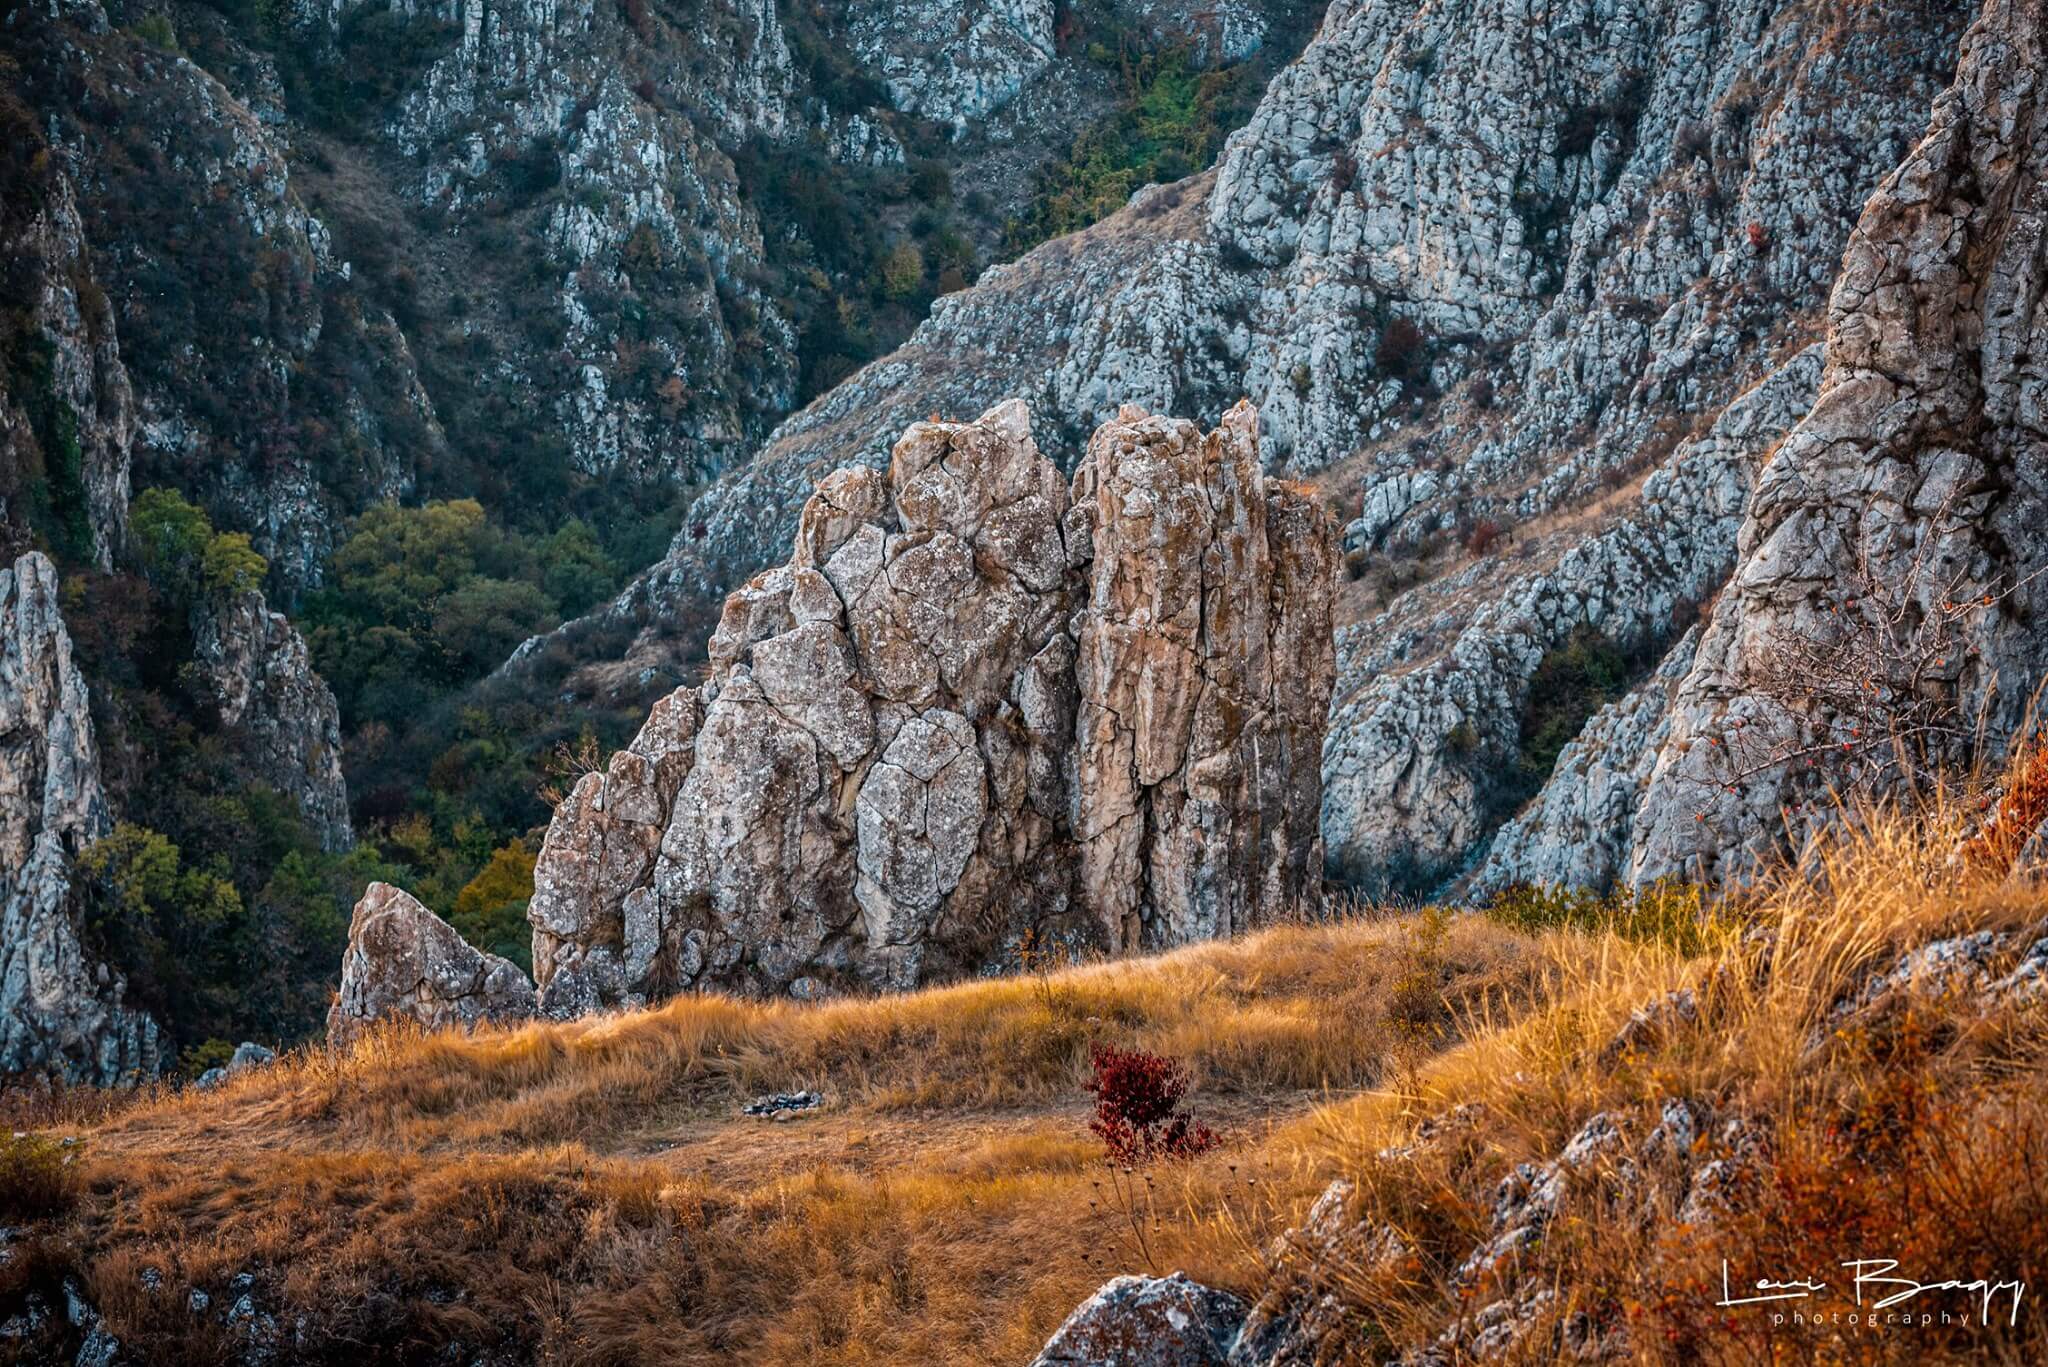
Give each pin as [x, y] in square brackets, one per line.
[1916, 1130]
[587, 1193]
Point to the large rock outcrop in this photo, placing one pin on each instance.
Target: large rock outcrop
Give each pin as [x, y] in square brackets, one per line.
[61, 1014]
[978, 701]
[404, 962]
[280, 714]
[1916, 483]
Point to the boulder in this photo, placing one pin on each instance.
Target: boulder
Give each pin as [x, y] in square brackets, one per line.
[403, 961]
[1148, 1322]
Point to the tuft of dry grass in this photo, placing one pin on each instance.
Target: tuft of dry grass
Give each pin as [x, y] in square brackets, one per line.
[1915, 1129]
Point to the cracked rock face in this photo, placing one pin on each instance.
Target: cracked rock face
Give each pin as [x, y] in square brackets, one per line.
[60, 1013]
[1924, 447]
[979, 700]
[281, 714]
[404, 962]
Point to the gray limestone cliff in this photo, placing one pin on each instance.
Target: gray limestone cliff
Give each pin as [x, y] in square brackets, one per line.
[979, 701]
[1560, 272]
[1915, 486]
[61, 1013]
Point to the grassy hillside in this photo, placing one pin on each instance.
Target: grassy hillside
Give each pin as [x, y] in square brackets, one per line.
[589, 1193]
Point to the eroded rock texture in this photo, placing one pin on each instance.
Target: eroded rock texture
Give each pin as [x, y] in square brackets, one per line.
[404, 962]
[978, 700]
[1148, 1322]
[1561, 270]
[1922, 461]
[60, 1012]
[67, 410]
[281, 715]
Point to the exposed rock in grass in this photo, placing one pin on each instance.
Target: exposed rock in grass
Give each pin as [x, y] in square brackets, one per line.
[1148, 1322]
[247, 1055]
[405, 962]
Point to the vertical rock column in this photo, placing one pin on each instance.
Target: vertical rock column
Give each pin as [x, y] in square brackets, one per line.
[1204, 672]
[60, 1013]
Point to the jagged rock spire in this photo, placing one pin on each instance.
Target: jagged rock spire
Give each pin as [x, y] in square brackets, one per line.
[979, 700]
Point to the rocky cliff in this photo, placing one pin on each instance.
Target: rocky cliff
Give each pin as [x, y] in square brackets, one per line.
[1555, 274]
[61, 1013]
[277, 712]
[360, 252]
[978, 703]
[1890, 557]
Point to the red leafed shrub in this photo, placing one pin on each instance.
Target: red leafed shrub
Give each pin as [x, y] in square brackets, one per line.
[1759, 237]
[1485, 534]
[1137, 1107]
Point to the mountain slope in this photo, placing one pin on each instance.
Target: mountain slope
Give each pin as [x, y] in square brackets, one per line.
[1483, 271]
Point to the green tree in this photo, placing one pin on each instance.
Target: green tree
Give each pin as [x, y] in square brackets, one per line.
[480, 620]
[490, 911]
[156, 30]
[903, 271]
[143, 878]
[574, 569]
[183, 555]
[421, 600]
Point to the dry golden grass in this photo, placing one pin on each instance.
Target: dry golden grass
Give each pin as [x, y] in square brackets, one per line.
[585, 1192]
[1917, 1131]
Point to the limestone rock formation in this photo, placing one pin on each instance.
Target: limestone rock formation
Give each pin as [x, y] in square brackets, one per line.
[67, 411]
[60, 1013]
[1556, 271]
[1920, 469]
[263, 381]
[1407, 793]
[404, 962]
[1148, 1322]
[978, 701]
[280, 714]
[1578, 831]
[594, 914]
